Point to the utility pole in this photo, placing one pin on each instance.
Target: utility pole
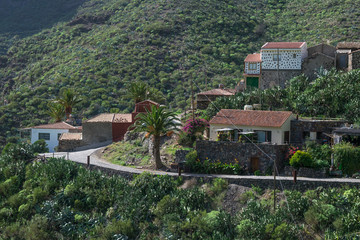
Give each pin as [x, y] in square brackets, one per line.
[274, 184]
[192, 100]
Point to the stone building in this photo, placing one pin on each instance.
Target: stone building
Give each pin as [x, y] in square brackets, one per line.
[103, 129]
[321, 56]
[279, 62]
[276, 63]
[347, 55]
[313, 129]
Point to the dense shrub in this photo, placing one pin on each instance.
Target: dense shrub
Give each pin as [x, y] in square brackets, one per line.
[347, 158]
[301, 159]
[207, 166]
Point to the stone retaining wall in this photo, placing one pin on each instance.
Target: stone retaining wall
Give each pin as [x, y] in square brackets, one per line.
[243, 153]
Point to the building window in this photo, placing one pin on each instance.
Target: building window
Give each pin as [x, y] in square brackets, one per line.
[263, 136]
[59, 135]
[252, 66]
[277, 57]
[45, 136]
[294, 55]
[306, 135]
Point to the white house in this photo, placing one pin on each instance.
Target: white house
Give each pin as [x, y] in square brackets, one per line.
[276, 63]
[283, 55]
[50, 133]
[268, 126]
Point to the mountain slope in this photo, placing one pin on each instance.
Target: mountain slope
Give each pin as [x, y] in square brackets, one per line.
[168, 44]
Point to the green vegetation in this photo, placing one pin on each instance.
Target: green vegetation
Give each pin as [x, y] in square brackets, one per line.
[109, 44]
[334, 94]
[347, 158]
[58, 199]
[156, 122]
[127, 153]
[212, 167]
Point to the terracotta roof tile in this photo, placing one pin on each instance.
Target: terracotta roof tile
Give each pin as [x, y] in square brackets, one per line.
[58, 125]
[219, 92]
[253, 58]
[251, 118]
[126, 118]
[111, 117]
[71, 136]
[286, 45]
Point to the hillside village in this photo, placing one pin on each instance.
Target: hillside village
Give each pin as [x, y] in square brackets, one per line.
[208, 119]
[274, 131]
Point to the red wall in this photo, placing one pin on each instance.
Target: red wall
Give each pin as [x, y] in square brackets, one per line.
[119, 130]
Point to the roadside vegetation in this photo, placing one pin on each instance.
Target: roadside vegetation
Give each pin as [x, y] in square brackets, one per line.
[58, 199]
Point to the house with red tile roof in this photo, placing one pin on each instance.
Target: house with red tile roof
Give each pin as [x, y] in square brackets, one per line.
[103, 129]
[51, 133]
[267, 126]
[276, 63]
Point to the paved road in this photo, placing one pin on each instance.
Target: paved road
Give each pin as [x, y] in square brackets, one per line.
[81, 157]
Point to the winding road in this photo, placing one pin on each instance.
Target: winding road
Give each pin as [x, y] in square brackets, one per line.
[81, 157]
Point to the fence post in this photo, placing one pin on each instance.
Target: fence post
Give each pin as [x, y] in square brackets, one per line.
[88, 161]
[67, 155]
[53, 154]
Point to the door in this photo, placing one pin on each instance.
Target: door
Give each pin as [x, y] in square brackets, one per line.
[252, 82]
[254, 164]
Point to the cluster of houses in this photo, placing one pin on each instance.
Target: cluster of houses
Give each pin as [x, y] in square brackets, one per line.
[98, 131]
[276, 63]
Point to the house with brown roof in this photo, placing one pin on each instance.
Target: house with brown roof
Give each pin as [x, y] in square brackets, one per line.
[51, 133]
[203, 99]
[103, 129]
[267, 126]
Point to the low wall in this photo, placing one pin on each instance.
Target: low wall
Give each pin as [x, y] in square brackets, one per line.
[243, 153]
[264, 182]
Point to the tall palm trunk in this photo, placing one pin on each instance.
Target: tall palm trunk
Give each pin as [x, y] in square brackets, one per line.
[156, 151]
[68, 111]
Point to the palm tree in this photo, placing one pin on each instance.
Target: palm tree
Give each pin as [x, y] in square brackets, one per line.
[156, 122]
[138, 91]
[56, 111]
[68, 100]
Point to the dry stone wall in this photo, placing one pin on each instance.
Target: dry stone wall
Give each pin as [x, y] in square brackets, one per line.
[243, 153]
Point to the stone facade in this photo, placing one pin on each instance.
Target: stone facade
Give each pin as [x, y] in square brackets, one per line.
[288, 59]
[355, 60]
[270, 78]
[315, 62]
[303, 128]
[255, 70]
[69, 145]
[243, 153]
[322, 48]
[97, 132]
[307, 172]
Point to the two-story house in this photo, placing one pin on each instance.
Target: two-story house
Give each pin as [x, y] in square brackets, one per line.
[276, 63]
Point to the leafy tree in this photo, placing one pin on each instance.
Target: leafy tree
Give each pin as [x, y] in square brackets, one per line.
[68, 100]
[156, 122]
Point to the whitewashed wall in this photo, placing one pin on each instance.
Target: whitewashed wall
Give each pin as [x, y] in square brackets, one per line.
[53, 142]
[256, 71]
[287, 59]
